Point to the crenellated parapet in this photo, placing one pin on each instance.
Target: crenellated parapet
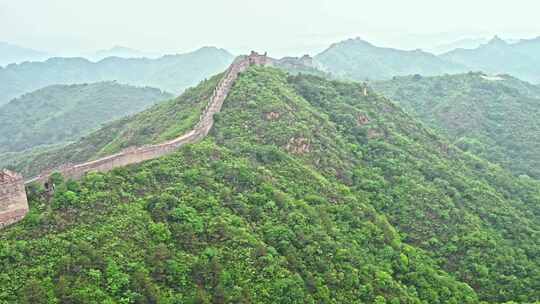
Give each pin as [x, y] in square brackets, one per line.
[135, 155]
[13, 202]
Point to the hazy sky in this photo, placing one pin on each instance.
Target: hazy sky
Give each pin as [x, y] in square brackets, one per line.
[278, 26]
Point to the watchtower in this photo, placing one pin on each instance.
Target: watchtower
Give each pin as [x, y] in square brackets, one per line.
[13, 201]
[255, 58]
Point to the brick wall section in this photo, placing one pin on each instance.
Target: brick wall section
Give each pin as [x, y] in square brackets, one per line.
[135, 155]
[13, 202]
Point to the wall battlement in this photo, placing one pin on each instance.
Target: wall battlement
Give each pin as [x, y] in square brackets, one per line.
[135, 155]
[13, 202]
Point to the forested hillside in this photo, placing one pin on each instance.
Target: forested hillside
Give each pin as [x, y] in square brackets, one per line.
[172, 73]
[306, 191]
[495, 117]
[62, 113]
[359, 60]
[159, 123]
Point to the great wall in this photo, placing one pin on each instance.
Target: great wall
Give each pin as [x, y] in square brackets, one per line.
[13, 201]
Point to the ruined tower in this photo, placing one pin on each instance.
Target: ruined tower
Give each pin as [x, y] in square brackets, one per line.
[255, 58]
[13, 202]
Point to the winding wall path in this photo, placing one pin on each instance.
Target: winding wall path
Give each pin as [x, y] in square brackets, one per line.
[135, 155]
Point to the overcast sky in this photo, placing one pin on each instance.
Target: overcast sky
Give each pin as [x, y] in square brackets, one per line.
[278, 26]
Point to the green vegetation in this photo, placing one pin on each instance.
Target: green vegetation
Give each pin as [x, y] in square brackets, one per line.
[157, 124]
[497, 118]
[306, 191]
[357, 59]
[172, 73]
[208, 226]
[62, 113]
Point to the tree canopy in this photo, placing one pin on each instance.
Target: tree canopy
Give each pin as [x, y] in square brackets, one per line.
[306, 191]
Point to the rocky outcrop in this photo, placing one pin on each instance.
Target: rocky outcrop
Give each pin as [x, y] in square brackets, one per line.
[272, 115]
[298, 145]
[362, 119]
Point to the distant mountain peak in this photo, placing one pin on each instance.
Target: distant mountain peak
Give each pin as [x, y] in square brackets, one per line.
[211, 50]
[209, 47]
[12, 53]
[358, 40]
[360, 60]
[497, 41]
[120, 48]
[120, 52]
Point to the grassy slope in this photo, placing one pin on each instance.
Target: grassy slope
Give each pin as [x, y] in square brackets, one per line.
[383, 211]
[498, 120]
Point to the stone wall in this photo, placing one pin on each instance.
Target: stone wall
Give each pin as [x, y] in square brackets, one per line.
[13, 202]
[135, 155]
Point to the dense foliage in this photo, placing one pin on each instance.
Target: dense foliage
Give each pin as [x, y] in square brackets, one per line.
[159, 123]
[360, 60]
[498, 118]
[520, 59]
[61, 113]
[306, 191]
[172, 73]
[479, 221]
[208, 226]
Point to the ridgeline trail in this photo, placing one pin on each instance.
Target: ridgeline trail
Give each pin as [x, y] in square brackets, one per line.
[134, 155]
[13, 200]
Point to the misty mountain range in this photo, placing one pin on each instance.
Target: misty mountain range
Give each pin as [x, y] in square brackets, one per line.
[465, 43]
[354, 59]
[10, 53]
[172, 73]
[520, 59]
[360, 60]
[122, 52]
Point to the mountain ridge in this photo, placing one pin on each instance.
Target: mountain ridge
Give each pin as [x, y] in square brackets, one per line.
[62, 113]
[122, 52]
[482, 114]
[172, 73]
[519, 59]
[11, 53]
[360, 60]
[134, 155]
[306, 190]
